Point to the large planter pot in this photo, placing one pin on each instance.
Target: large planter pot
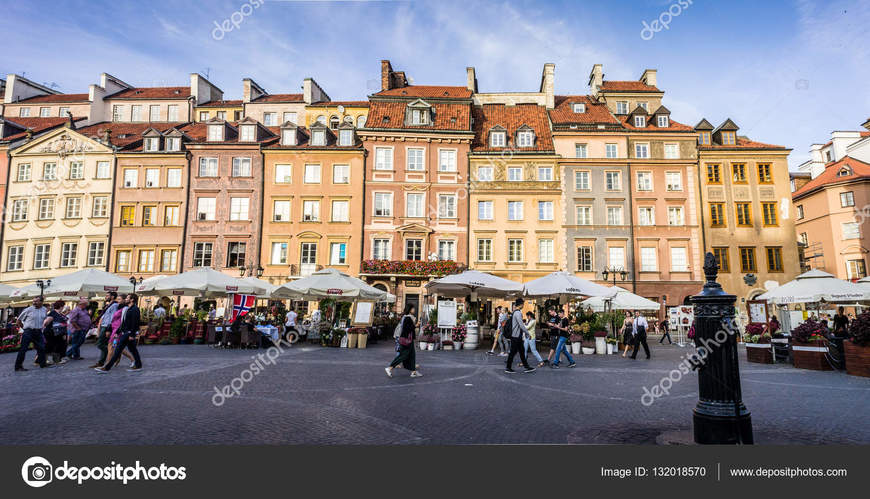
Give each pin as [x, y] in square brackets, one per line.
[760, 353]
[611, 348]
[575, 348]
[362, 340]
[448, 347]
[810, 356]
[431, 346]
[857, 359]
[351, 340]
[600, 345]
[424, 345]
[588, 350]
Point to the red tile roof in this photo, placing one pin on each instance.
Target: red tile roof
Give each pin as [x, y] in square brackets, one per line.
[596, 113]
[430, 91]
[511, 118]
[152, 93]
[36, 125]
[391, 115]
[278, 98]
[673, 126]
[55, 99]
[860, 170]
[127, 136]
[345, 103]
[303, 141]
[198, 133]
[627, 86]
[222, 103]
[742, 143]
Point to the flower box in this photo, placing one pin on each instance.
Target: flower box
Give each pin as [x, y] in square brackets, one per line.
[857, 359]
[411, 267]
[759, 353]
[810, 355]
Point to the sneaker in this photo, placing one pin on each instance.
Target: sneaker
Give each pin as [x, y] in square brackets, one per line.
[389, 372]
[490, 352]
[101, 370]
[46, 366]
[135, 368]
[132, 363]
[542, 364]
[529, 370]
[60, 362]
[554, 366]
[502, 354]
[509, 371]
[17, 369]
[415, 374]
[89, 367]
[573, 364]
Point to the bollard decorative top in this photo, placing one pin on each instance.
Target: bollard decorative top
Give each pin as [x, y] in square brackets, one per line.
[711, 267]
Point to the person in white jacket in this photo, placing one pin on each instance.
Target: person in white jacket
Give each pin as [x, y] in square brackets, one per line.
[515, 330]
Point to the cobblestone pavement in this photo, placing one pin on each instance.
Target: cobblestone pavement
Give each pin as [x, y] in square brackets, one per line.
[317, 395]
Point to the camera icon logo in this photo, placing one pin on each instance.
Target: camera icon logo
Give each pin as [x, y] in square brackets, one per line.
[36, 471]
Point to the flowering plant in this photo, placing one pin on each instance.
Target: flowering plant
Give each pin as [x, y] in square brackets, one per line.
[411, 267]
[809, 330]
[859, 329]
[459, 333]
[10, 342]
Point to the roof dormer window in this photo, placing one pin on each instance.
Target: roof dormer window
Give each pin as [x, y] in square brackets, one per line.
[525, 138]
[704, 138]
[640, 121]
[152, 144]
[288, 137]
[419, 116]
[728, 138]
[318, 137]
[497, 138]
[215, 133]
[247, 133]
[173, 143]
[579, 107]
[844, 172]
[345, 137]
[662, 121]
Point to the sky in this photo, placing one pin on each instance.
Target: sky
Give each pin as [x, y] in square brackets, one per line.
[787, 72]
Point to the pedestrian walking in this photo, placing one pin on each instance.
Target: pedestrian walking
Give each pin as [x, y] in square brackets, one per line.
[530, 341]
[406, 356]
[129, 329]
[54, 331]
[31, 321]
[115, 330]
[498, 339]
[110, 306]
[665, 327]
[553, 332]
[626, 331]
[515, 330]
[79, 325]
[639, 328]
[564, 333]
[290, 323]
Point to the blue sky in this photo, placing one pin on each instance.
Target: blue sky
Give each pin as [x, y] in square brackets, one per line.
[786, 72]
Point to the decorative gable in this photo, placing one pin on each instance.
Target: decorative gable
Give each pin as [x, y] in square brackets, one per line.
[419, 113]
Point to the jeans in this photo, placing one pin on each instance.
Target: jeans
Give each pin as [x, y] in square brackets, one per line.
[103, 343]
[529, 344]
[127, 340]
[31, 336]
[666, 334]
[75, 342]
[561, 348]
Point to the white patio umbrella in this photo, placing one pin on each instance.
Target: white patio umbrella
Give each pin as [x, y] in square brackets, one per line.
[815, 286]
[5, 291]
[146, 287]
[621, 300]
[564, 285]
[474, 281]
[203, 282]
[261, 288]
[328, 283]
[82, 283]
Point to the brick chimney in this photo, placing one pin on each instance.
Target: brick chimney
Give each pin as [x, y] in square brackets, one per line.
[470, 79]
[596, 79]
[386, 75]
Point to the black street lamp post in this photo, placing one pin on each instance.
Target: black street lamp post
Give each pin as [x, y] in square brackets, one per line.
[613, 272]
[42, 285]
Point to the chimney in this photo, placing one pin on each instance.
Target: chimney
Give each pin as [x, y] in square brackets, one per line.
[386, 75]
[470, 79]
[866, 124]
[547, 84]
[596, 78]
[842, 140]
[649, 77]
[107, 137]
[817, 162]
[311, 92]
[250, 90]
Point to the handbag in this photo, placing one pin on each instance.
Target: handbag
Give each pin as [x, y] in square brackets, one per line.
[405, 340]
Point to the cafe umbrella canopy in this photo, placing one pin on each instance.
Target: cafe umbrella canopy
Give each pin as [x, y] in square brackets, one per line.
[564, 285]
[202, 282]
[474, 281]
[328, 283]
[86, 283]
[621, 300]
[815, 286]
[5, 292]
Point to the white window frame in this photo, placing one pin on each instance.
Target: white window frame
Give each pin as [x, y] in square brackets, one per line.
[641, 150]
[281, 210]
[644, 181]
[545, 211]
[515, 210]
[415, 159]
[447, 160]
[340, 210]
[311, 173]
[484, 210]
[385, 199]
[417, 207]
[383, 158]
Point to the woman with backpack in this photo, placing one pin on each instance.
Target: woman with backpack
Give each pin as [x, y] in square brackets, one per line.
[54, 330]
[407, 353]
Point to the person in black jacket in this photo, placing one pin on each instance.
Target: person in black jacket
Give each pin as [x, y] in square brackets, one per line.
[129, 330]
[407, 353]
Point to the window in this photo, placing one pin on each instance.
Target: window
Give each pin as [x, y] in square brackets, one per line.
[578, 107]
[173, 177]
[648, 259]
[117, 113]
[49, 171]
[856, 269]
[24, 172]
[641, 150]
[289, 116]
[851, 230]
[170, 216]
[337, 253]
[662, 122]
[241, 167]
[614, 215]
[281, 211]
[640, 121]
[46, 208]
[414, 205]
[679, 261]
[646, 215]
[672, 151]
[484, 250]
[288, 137]
[612, 181]
[803, 239]
[744, 214]
[340, 174]
[96, 253]
[484, 210]
[419, 116]
[152, 177]
[208, 167]
[282, 174]
[383, 158]
[447, 160]
[340, 211]
[247, 134]
[128, 216]
[847, 199]
[581, 180]
[102, 169]
[69, 254]
[727, 138]
[41, 254]
[643, 105]
[168, 260]
[675, 215]
[644, 181]
[721, 255]
[610, 150]
[149, 215]
[146, 260]
[497, 139]
[747, 259]
[584, 215]
[131, 178]
[415, 158]
[345, 138]
[843, 172]
[312, 174]
[154, 113]
[318, 137]
[321, 119]
[765, 175]
[383, 204]
[545, 210]
[484, 174]
[205, 208]
[545, 250]
[270, 119]
[515, 210]
[15, 260]
[525, 139]
[717, 214]
[800, 211]
[76, 170]
[413, 249]
[361, 122]
[202, 253]
[774, 258]
[24, 112]
[63, 111]
[203, 116]
[621, 107]
[515, 174]
[279, 254]
[122, 261]
[446, 250]
[713, 174]
[100, 208]
[704, 138]
[236, 254]
[738, 173]
[73, 208]
[515, 250]
[446, 206]
[215, 133]
[616, 257]
[172, 112]
[580, 151]
[768, 211]
[584, 259]
[381, 249]
[19, 210]
[545, 173]
[310, 211]
[674, 181]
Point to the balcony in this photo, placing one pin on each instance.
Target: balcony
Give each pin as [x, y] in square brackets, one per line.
[437, 268]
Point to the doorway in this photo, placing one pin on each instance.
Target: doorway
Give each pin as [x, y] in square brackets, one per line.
[415, 301]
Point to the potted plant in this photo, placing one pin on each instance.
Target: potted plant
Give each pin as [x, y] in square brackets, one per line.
[447, 344]
[612, 344]
[176, 330]
[459, 334]
[352, 337]
[433, 341]
[600, 342]
[362, 337]
[576, 338]
[857, 346]
[589, 330]
[336, 336]
[808, 346]
[758, 347]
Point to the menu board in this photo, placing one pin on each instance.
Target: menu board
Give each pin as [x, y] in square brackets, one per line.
[446, 313]
[362, 313]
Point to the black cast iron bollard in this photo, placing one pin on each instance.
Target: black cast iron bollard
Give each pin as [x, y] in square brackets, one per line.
[720, 416]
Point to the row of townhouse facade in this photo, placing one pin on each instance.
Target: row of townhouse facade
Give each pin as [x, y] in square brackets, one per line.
[415, 181]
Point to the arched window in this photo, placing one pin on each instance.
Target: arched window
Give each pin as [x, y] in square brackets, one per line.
[348, 119]
[321, 119]
[334, 121]
[844, 172]
[361, 122]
